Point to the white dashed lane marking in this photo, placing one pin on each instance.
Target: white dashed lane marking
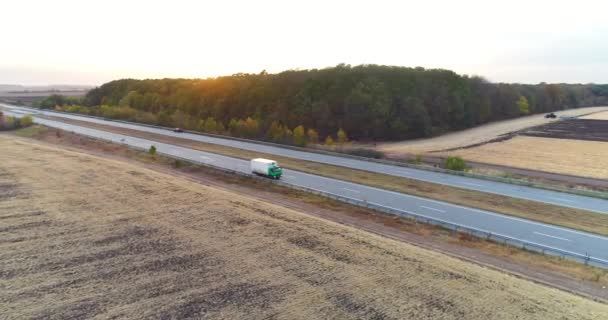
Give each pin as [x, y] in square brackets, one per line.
[550, 236]
[434, 209]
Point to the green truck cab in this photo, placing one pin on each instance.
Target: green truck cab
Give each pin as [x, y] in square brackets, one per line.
[266, 167]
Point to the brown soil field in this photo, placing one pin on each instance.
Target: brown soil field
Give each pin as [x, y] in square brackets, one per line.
[476, 135]
[538, 211]
[565, 156]
[86, 237]
[597, 116]
[579, 129]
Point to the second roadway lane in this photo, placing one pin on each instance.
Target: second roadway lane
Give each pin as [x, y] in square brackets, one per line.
[510, 190]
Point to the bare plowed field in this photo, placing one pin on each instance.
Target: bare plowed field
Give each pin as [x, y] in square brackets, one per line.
[579, 129]
[84, 237]
[477, 135]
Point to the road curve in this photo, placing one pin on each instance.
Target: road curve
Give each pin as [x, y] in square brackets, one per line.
[543, 234]
[505, 189]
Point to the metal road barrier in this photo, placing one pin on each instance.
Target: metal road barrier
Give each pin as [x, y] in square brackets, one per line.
[587, 193]
[477, 233]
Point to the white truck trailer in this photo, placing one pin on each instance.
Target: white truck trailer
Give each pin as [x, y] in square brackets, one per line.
[266, 167]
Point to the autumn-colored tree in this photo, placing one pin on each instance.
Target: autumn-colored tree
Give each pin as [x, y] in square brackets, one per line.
[342, 137]
[299, 138]
[288, 134]
[251, 128]
[329, 141]
[313, 136]
[275, 132]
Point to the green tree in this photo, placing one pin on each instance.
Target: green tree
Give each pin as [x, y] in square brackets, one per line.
[180, 119]
[152, 150]
[12, 122]
[299, 138]
[342, 137]
[233, 127]
[367, 101]
[455, 163]
[210, 125]
[313, 136]
[522, 105]
[201, 125]
[221, 129]
[132, 99]
[26, 121]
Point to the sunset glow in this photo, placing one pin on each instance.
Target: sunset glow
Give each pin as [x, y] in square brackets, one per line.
[91, 42]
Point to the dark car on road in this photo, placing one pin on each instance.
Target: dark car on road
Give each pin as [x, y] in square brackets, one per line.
[178, 130]
[550, 116]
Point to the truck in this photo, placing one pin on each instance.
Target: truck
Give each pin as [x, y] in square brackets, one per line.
[267, 168]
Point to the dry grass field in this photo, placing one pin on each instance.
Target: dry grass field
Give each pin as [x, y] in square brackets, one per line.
[597, 116]
[476, 135]
[564, 156]
[85, 237]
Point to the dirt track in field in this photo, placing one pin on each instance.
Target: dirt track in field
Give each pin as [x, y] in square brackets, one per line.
[597, 116]
[84, 236]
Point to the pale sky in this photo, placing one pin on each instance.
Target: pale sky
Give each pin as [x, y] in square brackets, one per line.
[93, 41]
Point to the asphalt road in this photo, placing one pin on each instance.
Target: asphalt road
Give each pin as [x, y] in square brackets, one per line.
[521, 192]
[539, 233]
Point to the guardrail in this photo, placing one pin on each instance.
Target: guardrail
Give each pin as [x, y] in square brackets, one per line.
[587, 193]
[478, 233]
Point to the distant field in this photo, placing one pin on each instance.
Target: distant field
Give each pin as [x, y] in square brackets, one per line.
[597, 116]
[565, 156]
[475, 135]
[576, 129]
[26, 94]
[85, 237]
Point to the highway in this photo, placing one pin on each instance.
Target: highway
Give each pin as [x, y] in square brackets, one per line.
[546, 235]
[510, 190]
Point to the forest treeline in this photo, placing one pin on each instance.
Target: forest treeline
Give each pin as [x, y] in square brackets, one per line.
[367, 102]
